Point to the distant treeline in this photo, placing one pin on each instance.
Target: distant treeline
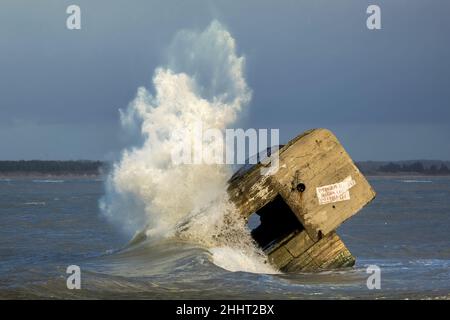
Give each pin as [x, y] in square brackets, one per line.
[87, 167]
[80, 167]
[420, 167]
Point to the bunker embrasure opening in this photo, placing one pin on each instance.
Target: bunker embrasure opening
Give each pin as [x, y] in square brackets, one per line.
[276, 222]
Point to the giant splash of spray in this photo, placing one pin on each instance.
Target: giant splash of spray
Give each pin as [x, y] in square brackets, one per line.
[203, 82]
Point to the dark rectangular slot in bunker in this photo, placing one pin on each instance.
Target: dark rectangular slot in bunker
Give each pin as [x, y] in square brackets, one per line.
[277, 221]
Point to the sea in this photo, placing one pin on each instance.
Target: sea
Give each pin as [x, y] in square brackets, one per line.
[47, 225]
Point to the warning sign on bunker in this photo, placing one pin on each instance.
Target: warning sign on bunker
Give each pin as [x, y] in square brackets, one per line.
[335, 192]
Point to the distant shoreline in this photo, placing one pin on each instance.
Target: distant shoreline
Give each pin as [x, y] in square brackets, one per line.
[40, 175]
[39, 169]
[53, 169]
[384, 175]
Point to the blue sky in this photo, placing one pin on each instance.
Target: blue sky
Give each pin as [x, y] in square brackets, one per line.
[385, 93]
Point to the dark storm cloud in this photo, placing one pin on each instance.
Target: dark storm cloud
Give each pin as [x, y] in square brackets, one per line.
[309, 64]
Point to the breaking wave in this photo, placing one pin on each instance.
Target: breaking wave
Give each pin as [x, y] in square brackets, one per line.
[152, 198]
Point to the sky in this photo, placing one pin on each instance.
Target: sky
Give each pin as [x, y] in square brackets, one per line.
[384, 93]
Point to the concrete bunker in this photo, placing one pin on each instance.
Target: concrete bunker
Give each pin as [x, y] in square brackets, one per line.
[316, 189]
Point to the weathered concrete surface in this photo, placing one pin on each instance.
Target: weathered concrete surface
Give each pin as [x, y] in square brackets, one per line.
[300, 253]
[321, 187]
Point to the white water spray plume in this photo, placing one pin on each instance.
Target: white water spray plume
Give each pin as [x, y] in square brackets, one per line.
[146, 192]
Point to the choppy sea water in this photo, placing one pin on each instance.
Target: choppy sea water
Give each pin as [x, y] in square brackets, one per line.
[47, 225]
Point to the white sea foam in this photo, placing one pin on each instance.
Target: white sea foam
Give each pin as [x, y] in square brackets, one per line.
[47, 181]
[203, 82]
[416, 181]
[237, 260]
[35, 203]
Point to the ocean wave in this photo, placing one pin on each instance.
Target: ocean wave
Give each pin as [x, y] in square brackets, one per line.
[35, 203]
[48, 181]
[416, 181]
[175, 199]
